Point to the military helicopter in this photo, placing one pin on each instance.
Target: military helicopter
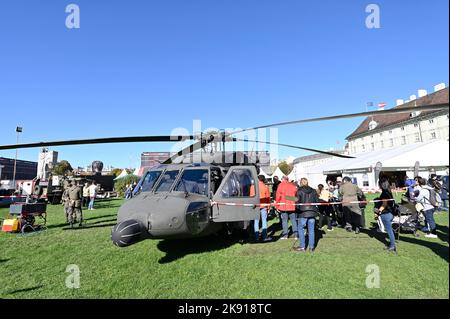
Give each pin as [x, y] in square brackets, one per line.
[179, 200]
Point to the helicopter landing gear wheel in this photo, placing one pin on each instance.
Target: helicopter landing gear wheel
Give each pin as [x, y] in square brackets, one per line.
[27, 228]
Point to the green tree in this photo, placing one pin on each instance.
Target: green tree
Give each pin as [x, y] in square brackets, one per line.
[285, 167]
[62, 168]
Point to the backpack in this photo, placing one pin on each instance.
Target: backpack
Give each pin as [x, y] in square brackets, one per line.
[435, 198]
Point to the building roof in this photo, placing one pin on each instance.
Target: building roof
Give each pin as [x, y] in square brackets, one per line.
[383, 121]
[391, 159]
[317, 156]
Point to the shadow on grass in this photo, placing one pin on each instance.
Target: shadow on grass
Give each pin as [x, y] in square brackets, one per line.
[3, 260]
[438, 249]
[89, 226]
[86, 220]
[372, 233]
[277, 227]
[25, 290]
[101, 216]
[442, 232]
[179, 248]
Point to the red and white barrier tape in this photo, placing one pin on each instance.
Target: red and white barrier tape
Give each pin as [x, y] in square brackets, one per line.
[299, 204]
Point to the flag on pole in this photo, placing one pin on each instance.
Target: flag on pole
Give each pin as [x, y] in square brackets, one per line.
[381, 105]
[369, 104]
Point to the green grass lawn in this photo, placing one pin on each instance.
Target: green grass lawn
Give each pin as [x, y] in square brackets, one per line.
[34, 265]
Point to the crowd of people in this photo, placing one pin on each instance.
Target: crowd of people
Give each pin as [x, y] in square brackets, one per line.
[76, 197]
[342, 204]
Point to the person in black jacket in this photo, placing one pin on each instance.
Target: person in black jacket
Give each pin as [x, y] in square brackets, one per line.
[306, 214]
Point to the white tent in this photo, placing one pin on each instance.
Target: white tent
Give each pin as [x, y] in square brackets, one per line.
[292, 176]
[262, 172]
[278, 173]
[433, 154]
[121, 175]
[138, 172]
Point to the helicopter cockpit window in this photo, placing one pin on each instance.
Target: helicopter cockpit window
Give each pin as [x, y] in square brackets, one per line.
[166, 181]
[194, 181]
[238, 184]
[149, 180]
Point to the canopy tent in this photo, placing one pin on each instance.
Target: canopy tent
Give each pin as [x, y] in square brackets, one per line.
[292, 176]
[278, 173]
[262, 172]
[432, 154]
[429, 154]
[121, 175]
[139, 171]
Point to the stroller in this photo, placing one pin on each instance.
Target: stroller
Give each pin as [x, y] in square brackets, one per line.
[406, 219]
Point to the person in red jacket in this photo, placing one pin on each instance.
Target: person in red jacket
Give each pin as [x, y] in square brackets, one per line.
[264, 195]
[286, 199]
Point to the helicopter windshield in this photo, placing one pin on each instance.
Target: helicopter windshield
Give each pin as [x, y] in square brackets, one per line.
[166, 181]
[194, 181]
[149, 181]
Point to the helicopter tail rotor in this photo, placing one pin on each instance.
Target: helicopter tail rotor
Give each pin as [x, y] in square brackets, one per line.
[127, 232]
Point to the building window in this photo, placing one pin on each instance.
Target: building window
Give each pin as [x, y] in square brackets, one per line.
[390, 132]
[417, 137]
[391, 142]
[363, 147]
[365, 178]
[416, 124]
[403, 128]
[403, 140]
[372, 146]
[372, 125]
[371, 136]
[433, 135]
[431, 121]
[381, 134]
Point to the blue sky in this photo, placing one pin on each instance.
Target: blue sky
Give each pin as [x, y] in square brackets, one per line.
[147, 67]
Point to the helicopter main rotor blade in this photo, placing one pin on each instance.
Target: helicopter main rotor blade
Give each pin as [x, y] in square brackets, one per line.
[294, 146]
[192, 148]
[432, 107]
[187, 150]
[101, 141]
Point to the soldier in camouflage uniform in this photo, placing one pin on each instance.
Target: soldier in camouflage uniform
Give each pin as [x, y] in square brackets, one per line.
[65, 200]
[75, 213]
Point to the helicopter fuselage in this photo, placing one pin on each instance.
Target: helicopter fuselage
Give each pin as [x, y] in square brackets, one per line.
[177, 201]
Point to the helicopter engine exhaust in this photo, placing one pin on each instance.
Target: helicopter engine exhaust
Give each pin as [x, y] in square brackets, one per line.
[126, 233]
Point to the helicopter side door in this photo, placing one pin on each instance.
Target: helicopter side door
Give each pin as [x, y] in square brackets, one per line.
[237, 197]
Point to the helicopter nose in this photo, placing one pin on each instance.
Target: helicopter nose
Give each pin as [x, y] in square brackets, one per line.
[126, 233]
